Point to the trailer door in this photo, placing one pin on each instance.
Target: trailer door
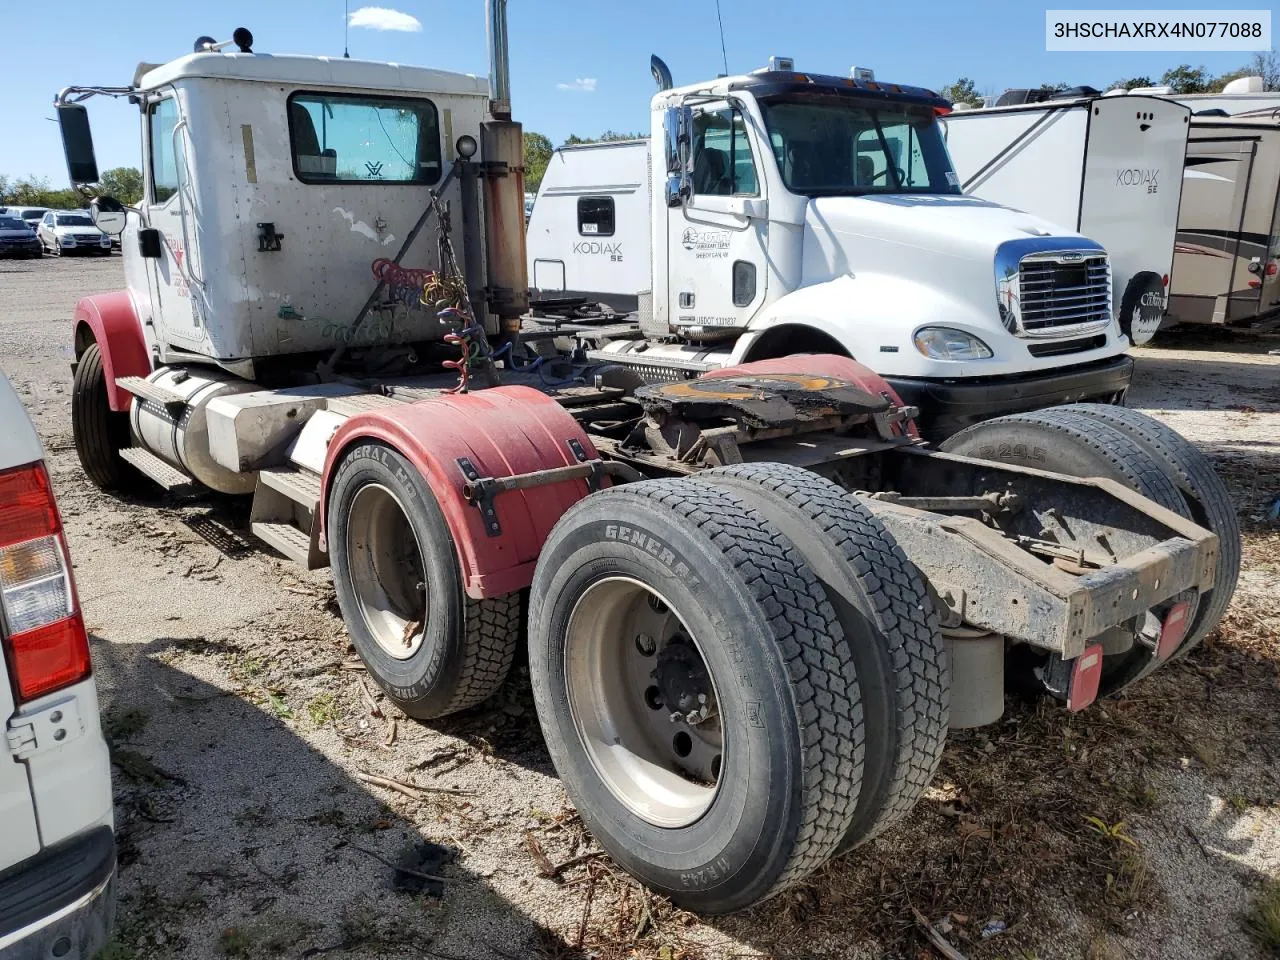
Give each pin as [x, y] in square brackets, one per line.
[1214, 193]
[1129, 201]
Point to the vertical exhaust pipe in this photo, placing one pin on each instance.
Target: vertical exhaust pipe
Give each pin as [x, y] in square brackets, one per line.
[502, 152]
[499, 61]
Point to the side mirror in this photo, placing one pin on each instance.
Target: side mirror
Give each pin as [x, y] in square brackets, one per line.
[77, 143]
[678, 130]
[109, 215]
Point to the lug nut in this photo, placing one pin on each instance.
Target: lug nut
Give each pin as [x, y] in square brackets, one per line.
[646, 645]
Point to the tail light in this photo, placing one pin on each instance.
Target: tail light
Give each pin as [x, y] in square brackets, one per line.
[43, 632]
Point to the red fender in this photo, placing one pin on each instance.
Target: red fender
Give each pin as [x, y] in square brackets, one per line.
[503, 431]
[114, 325]
[822, 364]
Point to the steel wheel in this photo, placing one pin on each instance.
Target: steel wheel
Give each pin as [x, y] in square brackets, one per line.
[643, 702]
[387, 573]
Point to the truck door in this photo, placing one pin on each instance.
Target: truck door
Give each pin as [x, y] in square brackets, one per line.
[166, 207]
[716, 239]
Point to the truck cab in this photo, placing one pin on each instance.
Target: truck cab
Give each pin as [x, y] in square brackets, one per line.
[793, 212]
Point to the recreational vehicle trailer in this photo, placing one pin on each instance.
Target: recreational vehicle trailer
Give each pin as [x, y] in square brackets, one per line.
[1245, 95]
[1225, 262]
[1109, 167]
[589, 228]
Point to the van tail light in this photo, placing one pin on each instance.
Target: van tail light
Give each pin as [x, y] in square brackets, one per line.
[45, 644]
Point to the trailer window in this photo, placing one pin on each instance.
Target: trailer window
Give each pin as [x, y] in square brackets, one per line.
[595, 216]
[349, 138]
[162, 117]
[722, 163]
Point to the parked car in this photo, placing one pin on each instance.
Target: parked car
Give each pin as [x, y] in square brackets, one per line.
[31, 216]
[17, 239]
[72, 231]
[57, 846]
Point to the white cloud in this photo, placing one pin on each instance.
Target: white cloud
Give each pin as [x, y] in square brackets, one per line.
[384, 18]
[582, 85]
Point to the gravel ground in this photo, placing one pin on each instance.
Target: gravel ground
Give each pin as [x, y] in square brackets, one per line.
[240, 732]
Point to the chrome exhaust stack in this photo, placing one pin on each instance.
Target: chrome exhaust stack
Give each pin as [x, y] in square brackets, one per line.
[502, 151]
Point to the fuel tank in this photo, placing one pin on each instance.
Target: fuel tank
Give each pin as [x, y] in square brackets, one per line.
[181, 437]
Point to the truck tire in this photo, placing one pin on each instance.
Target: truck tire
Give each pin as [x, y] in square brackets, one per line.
[433, 649]
[889, 625]
[99, 432]
[1066, 441]
[1205, 495]
[695, 692]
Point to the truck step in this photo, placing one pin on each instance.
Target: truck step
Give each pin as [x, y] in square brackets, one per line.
[168, 476]
[146, 390]
[286, 538]
[361, 403]
[300, 486]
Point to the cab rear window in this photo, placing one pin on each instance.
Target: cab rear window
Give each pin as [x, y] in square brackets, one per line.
[352, 138]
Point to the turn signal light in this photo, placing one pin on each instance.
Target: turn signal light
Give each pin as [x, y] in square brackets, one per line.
[45, 644]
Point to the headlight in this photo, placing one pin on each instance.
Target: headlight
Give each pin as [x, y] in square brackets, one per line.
[947, 343]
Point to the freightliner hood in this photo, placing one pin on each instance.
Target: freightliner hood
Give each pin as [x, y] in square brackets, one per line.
[888, 233]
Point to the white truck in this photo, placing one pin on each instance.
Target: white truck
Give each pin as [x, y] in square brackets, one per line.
[1110, 167]
[57, 848]
[740, 670]
[822, 213]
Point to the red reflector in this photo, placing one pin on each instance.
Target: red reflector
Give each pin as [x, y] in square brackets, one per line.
[1173, 629]
[1086, 674]
[27, 509]
[1271, 269]
[1165, 280]
[941, 111]
[1255, 283]
[49, 657]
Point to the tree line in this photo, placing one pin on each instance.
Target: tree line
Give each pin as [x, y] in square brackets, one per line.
[1183, 78]
[123, 183]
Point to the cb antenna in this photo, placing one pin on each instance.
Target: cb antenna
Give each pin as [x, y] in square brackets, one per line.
[346, 28]
[724, 55]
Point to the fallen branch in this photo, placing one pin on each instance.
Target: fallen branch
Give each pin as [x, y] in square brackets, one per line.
[405, 870]
[937, 940]
[412, 790]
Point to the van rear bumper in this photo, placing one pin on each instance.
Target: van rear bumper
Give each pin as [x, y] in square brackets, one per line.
[60, 904]
[948, 406]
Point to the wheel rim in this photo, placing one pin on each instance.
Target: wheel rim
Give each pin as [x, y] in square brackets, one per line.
[627, 653]
[387, 574]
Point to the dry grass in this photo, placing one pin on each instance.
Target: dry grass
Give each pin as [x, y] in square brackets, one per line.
[1263, 921]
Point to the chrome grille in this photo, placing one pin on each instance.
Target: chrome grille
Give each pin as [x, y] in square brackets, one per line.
[1060, 294]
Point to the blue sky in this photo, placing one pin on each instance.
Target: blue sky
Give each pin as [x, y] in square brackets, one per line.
[578, 66]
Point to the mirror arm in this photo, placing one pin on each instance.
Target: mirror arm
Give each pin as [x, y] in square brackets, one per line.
[79, 94]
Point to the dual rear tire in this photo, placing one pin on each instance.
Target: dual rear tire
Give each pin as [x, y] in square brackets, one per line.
[733, 686]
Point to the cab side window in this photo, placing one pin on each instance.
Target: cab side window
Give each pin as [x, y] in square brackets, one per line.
[162, 117]
[722, 161]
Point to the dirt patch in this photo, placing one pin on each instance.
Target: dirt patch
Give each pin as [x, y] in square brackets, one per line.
[246, 739]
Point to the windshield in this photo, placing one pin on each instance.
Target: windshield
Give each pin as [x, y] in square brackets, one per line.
[10, 223]
[829, 146]
[74, 220]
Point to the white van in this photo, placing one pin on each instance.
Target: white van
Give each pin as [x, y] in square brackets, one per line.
[57, 847]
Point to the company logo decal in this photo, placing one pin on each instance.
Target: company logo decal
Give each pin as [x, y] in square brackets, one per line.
[1139, 177]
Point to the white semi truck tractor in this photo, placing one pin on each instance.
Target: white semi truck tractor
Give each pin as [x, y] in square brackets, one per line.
[755, 599]
[788, 212]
